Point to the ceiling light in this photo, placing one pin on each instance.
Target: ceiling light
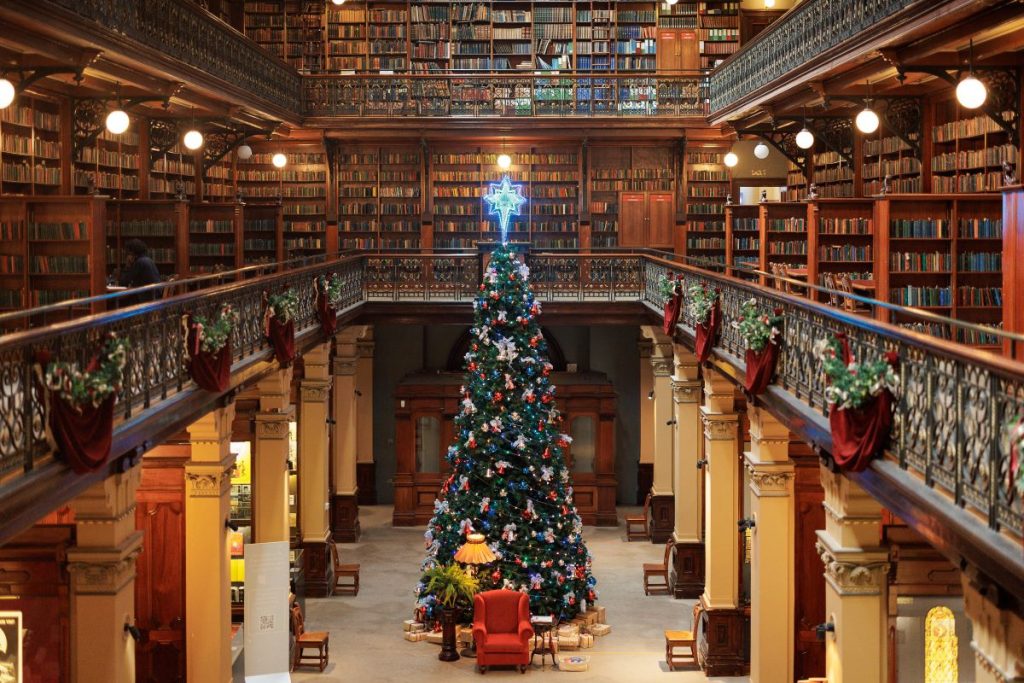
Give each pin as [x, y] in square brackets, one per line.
[731, 159]
[193, 139]
[867, 119]
[7, 93]
[244, 152]
[338, 2]
[768, 4]
[118, 121]
[761, 150]
[805, 138]
[504, 162]
[671, 2]
[279, 160]
[970, 92]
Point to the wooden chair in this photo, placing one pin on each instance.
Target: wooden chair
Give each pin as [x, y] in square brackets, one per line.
[851, 305]
[654, 571]
[778, 273]
[830, 284]
[307, 640]
[347, 572]
[687, 639]
[639, 522]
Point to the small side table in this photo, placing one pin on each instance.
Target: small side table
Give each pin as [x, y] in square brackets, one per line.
[540, 629]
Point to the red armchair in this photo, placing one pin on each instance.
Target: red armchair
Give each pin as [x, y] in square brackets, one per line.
[501, 629]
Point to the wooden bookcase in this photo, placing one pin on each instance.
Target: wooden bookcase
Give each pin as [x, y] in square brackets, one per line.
[358, 180]
[432, 26]
[832, 175]
[707, 183]
[456, 197]
[262, 233]
[890, 155]
[30, 153]
[265, 24]
[844, 235]
[796, 184]
[784, 237]
[161, 224]
[171, 168]
[112, 163]
[219, 181]
[380, 192]
[742, 238]
[968, 150]
[215, 235]
[719, 31]
[632, 196]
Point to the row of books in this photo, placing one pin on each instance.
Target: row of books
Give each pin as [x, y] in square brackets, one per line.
[845, 226]
[921, 296]
[920, 262]
[981, 262]
[919, 228]
[844, 252]
[787, 225]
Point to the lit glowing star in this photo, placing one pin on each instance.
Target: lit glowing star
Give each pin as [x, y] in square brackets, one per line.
[505, 200]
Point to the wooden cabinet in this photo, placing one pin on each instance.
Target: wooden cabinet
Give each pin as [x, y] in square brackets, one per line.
[678, 49]
[646, 219]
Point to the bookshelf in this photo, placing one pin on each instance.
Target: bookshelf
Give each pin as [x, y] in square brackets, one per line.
[784, 238]
[219, 181]
[844, 238]
[262, 233]
[170, 170]
[707, 183]
[53, 249]
[553, 191]
[796, 184]
[347, 35]
[943, 253]
[30, 147]
[111, 162]
[719, 31]
[742, 238]
[215, 233]
[386, 37]
[161, 224]
[456, 197]
[632, 190]
[889, 155]
[968, 150]
[431, 27]
[265, 24]
[358, 180]
[832, 175]
[380, 197]
[636, 33]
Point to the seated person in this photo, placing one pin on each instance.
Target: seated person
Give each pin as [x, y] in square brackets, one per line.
[139, 271]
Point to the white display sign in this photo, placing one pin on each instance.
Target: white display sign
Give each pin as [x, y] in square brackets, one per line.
[266, 629]
[11, 656]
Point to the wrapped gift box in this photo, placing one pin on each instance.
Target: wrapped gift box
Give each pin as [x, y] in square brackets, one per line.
[589, 618]
[574, 663]
[568, 642]
[435, 637]
[464, 635]
[600, 629]
[413, 625]
[586, 641]
[568, 631]
[415, 636]
[600, 612]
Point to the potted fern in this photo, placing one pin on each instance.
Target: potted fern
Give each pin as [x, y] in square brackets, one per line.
[452, 588]
[279, 324]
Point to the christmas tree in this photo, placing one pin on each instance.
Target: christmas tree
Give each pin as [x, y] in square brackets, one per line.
[508, 479]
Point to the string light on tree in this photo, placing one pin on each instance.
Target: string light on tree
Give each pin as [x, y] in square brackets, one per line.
[505, 200]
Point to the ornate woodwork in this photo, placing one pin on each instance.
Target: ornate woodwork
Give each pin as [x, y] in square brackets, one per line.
[366, 480]
[663, 517]
[686, 576]
[318, 569]
[723, 641]
[345, 518]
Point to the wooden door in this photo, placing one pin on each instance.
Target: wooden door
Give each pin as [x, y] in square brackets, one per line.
[810, 580]
[689, 50]
[661, 219]
[669, 55]
[632, 219]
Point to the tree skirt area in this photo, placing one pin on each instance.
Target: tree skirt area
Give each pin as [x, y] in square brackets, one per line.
[368, 643]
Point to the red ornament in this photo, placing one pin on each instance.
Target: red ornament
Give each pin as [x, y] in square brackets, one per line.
[530, 398]
[547, 453]
[572, 600]
[552, 495]
[476, 347]
[546, 398]
[472, 443]
[472, 368]
[483, 375]
[547, 371]
[494, 295]
[498, 396]
[534, 341]
[511, 277]
[496, 575]
[561, 579]
[484, 305]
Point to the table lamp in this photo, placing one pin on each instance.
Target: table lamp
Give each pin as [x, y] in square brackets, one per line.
[472, 553]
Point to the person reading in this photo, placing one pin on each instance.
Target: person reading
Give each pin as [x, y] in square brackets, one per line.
[139, 271]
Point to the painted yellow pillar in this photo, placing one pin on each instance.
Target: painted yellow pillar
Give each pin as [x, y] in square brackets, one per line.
[314, 454]
[997, 636]
[364, 397]
[687, 574]
[664, 436]
[345, 439]
[856, 568]
[772, 571]
[207, 549]
[270, 458]
[102, 570]
[645, 348]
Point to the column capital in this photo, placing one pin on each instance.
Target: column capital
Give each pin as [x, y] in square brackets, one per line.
[661, 366]
[644, 348]
[314, 390]
[719, 393]
[853, 571]
[104, 571]
[364, 348]
[685, 391]
[344, 366]
[719, 426]
[770, 479]
[208, 480]
[274, 425]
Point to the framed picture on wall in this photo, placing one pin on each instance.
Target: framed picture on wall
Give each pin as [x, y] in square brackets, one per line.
[10, 647]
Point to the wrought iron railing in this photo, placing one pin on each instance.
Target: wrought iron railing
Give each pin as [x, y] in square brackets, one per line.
[804, 34]
[512, 95]
[952, 403]
[187, 33]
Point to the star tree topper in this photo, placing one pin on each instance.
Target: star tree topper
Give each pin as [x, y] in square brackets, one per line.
[505, 200]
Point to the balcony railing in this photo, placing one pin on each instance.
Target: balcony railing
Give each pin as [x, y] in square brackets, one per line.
[952, 403]
[804, 34]
[193, 36]
[512, 95]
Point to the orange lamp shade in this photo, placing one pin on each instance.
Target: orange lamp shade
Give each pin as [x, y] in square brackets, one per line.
[475, 551]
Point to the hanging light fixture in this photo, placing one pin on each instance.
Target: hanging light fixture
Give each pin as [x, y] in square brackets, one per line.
[731, 159]
[244, 151]
[867, 119]
[971, 93]
[671, 2]
[504, 161]
[768, 4]
[117, 119]
[279, 160]
[805, 138]
[193, 138]
[761, 150]
[7, 93]
[338, 2]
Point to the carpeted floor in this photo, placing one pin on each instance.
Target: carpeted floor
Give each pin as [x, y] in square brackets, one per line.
[367, 645]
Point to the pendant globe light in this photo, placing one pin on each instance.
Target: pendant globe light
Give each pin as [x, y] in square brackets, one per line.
[338, 2]
[805, 138]
[867, 119]
[244, 152]
[117, 121]
[504, 161]
[193, 138]
[7, 93]
[971, 93]
[731, 159]
[279, 160]
[761, 150]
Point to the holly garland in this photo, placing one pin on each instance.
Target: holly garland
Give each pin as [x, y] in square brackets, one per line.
[214, 334]
[331, 288]
[80, 388]
[283, 306]
[700, 301]
[852, 385]
[668, 286]
[758, 329]
[1011, 440]
[509, 479]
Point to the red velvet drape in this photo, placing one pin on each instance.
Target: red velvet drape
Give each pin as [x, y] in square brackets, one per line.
[327, 315]
[760, 368]
[282, 339]
[211, 371]
[672, 308]
[859, 434]
[706, 335]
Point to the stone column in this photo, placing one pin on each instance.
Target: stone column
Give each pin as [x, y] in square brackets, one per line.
[345, 504]
[856, 568]
[366, 478]
[772, 570]
[102, 570]
[645, 470]
[687, 571]
[662, 505]
[207, 549]
[997, 636]
[314, 398]
[270, 458]
[720, 642]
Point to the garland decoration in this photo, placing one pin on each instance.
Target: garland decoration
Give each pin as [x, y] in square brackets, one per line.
[213, 335]
[279, 324]
[328, 298]
[208, 348]
[1011, 441]
[671, 289]
[79, 403]
[705, 308]
[860, 396]
[761, 333]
